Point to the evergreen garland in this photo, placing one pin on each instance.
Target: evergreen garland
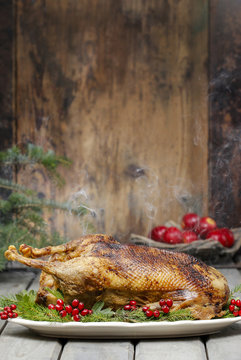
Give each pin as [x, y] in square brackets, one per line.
[21, 209]
[27, 308]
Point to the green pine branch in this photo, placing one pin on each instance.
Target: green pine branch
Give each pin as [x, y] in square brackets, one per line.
[28, 309]
[21, 211]
[35, 155]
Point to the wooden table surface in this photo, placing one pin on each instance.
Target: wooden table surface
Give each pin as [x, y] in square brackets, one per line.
[17, 342]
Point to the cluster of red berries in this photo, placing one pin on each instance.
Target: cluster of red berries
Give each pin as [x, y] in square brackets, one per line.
[235, 307]
[131, 306]
[8, 312]
[164, 304]
[75, 310]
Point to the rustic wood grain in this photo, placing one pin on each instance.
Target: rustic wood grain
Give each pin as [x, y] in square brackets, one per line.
[121, 88]
[225, 344]
[7, 124]
[17, 342]
[26, 345]
[171, 349]
[6, 73]
[12, 283]
[225, 109]
[101, 350]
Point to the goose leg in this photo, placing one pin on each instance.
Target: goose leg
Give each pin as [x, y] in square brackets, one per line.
[12, 255]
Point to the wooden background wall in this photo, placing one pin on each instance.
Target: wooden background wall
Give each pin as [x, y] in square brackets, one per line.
[121, 87]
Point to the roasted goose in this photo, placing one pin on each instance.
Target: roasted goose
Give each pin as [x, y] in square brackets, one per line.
[97, 267]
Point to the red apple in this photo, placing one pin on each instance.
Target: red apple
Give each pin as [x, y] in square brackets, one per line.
[206, 224]
[217, 235]
[190, 221]
[172, 235]
[229, 237]
[157, 233]
[189, 236]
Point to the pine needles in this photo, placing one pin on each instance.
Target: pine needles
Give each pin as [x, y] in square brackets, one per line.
[27, 308]
[21, 208]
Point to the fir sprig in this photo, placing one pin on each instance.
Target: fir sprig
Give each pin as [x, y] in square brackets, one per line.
[22, 210]
[33, 155]
[28, 309]
[236, 290]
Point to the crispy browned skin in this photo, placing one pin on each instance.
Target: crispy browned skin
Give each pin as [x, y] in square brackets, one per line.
[97, 267]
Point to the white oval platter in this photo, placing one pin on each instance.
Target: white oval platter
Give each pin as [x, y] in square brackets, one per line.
[121, 330]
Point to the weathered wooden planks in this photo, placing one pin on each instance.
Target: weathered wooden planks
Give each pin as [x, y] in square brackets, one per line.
[6, 73]
[12, 282]
[26, 345]
[225, 108]
[101, 350]
[119, 87]
[171, 349]
[225, 345]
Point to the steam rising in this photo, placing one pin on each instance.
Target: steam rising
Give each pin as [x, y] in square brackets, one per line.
[148, 188]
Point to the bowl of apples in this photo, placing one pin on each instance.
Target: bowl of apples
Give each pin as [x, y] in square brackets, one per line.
[196, 235]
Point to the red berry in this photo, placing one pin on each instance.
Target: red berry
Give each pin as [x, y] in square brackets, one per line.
[68, 309]
[81, 306]
[84, 312]
[76, 318]
[75, 303]
[189, 236]
[75, 312]
[51, 306]
[157, 233]
[90, 312]
[7, 309]
[4, 316]
[63, 313]
[206, 224]
[15, 314]
[60, 302]
[235, 313]
[59, 307]
[149, 313]
[162, 302]
[169, 302]
[233, 302]
[133, 307]
[239, 313]
[145, 308]
[172, 235]
[10, 315]
[132, 302]
[13, 307]
[165, 309]
[231, 308]
[156, 313]
[127, 307]
[238, 303]
[229, 237]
